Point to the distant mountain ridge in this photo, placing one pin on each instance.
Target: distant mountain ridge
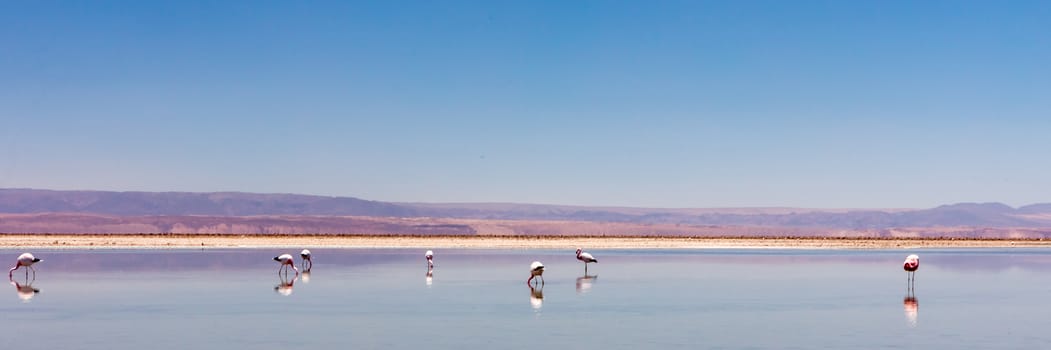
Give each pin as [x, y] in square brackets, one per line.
[26, 201]
[239, 204]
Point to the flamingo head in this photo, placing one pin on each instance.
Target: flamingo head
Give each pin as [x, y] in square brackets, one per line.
[580, 250]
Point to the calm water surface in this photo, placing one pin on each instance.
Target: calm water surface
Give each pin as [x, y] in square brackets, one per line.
[368, 298]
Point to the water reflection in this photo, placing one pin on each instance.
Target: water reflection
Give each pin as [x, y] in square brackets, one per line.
[912, 310]
[25, 290]
[584, 283]
[306, 276]
[536, 297]
[285, 286]
[430, 276]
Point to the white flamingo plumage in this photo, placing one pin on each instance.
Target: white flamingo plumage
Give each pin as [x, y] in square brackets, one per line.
[27, 260]
[429, 255]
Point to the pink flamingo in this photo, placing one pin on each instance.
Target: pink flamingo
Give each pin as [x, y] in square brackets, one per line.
[286, 261]
[912, 263]
[429, 255]
[27, 260]
[586, 258]
[536, 269]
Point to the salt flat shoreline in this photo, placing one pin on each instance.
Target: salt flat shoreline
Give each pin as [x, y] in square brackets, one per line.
[174, 241]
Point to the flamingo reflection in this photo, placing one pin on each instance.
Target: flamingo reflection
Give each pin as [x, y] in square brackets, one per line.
[285, 286]
[584, 283]
[25, 290]
[536, 297]
[306, 276]
[430, 276]
[912, 309]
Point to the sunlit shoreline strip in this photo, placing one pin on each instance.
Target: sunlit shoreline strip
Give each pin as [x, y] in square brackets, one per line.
[171, 241]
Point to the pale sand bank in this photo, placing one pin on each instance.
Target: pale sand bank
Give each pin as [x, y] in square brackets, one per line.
[82, 241]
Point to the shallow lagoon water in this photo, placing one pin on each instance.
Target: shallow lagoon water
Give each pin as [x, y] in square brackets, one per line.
[381, 298]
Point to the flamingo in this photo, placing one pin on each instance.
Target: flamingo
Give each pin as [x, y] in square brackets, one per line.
[286, 261]
[307, 262]
[27, 260]
[429, 255]
[912, 263]
[536, 269]
[586, 258]
[430, 277]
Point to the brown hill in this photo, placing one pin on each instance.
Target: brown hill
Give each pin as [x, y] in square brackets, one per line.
[235, 212]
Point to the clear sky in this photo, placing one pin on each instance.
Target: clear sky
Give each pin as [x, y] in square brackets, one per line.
[627, 103]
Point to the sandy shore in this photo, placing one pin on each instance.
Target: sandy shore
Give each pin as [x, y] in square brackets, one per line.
[83, 241]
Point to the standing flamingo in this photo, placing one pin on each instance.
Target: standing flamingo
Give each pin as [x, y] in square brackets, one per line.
[912, 263]
[536, 269]
[308, 263]
[586, 258]
[286, 261]
[27, 260]
[429, 255]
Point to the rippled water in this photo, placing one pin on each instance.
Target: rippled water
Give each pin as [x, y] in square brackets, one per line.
[368, 298]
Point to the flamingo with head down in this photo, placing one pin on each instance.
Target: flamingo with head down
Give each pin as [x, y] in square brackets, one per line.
[286, 261]
[308, 262]
[912, 263]
[27, 260]
[536, 269]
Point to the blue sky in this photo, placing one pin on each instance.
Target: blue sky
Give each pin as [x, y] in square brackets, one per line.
[627, 103]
